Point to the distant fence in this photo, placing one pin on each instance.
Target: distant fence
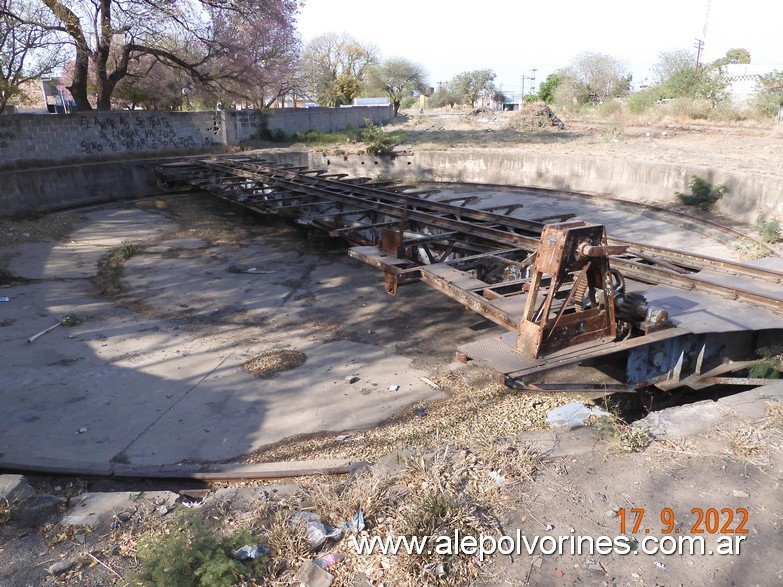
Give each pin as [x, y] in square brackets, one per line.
[92, 136]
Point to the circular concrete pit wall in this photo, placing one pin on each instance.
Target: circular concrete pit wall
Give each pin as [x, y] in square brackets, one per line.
[54, 188]
[748, 196]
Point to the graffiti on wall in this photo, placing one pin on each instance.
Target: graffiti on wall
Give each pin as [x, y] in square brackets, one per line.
[7, 132]
[148, 133]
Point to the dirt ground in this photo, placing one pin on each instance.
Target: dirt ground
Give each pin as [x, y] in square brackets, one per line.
[479, 447]
[664, 137]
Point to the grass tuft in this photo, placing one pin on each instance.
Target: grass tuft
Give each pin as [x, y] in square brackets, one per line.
[629, 438]
[5, 511]
[775, 413]
[747, 445]
[769, 230]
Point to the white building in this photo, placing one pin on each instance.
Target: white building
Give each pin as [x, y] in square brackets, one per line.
[744, 78]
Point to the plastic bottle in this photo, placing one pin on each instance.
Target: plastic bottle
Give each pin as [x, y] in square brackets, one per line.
[328, 560]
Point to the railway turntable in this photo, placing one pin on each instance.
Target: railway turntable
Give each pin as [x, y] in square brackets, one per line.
[566, 291]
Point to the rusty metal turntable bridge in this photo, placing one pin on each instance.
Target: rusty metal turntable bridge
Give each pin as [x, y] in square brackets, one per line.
[565, 290]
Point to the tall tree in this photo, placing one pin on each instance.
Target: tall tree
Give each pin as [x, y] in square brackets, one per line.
[594, 77]
[193, 35]
[262, 59]
[472, 85]
[335, 66]
[672, 62]
[397, 78]
[737, 56]
[548, 88]
[27, 52]
[151, 85]
[677, 77]
[443, 96]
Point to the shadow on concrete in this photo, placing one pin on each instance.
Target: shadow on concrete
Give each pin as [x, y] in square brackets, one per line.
[154, 376]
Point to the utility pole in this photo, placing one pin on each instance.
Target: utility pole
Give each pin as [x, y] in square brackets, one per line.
[699, 45]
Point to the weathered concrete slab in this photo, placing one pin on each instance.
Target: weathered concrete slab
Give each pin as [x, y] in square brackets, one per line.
[249, 497]
[15, 488]
[754, 402]
[681, 421]
[101, 509]
[315, 397]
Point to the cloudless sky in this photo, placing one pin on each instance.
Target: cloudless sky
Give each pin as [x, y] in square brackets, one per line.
[512, 38]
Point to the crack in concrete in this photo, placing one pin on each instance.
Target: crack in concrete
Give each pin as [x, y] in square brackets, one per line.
[121, 457]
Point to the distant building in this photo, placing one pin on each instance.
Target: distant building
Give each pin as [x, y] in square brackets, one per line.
[370, 101]
[744, 78]
[511, 101]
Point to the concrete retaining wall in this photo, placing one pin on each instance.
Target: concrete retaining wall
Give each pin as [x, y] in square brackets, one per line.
[28, 139]
[748, 196]
[242, 125]
[52, 188]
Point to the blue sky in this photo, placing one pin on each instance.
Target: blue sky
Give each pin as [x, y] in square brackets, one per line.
[512, 38]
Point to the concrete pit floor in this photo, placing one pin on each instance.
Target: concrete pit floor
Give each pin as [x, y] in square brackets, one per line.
[152, 375]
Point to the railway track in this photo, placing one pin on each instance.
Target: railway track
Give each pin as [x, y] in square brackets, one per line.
[484, 259]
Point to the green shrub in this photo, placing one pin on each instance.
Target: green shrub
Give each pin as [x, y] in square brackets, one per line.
[641, 101]
[703, 194]
[610, 108]
[128, 250]
[193, 554]
[378, 142]
[770, 365]
[769, 230]
[407, 102]
[70, 320]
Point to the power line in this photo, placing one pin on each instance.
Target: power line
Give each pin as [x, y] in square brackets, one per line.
[699, 44]
[706, 20]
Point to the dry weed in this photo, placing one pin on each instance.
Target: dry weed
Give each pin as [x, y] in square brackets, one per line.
[629, 438]
[34, 227]
[748, 445]
[775, 413]
[340, 502]
[289, 545]
[469, 415]
[5, 512]
[427, 494]
[749, 250]
[269, 363]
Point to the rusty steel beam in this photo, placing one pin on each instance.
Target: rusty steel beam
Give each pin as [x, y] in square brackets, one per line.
[471, 222]
[470, 300]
